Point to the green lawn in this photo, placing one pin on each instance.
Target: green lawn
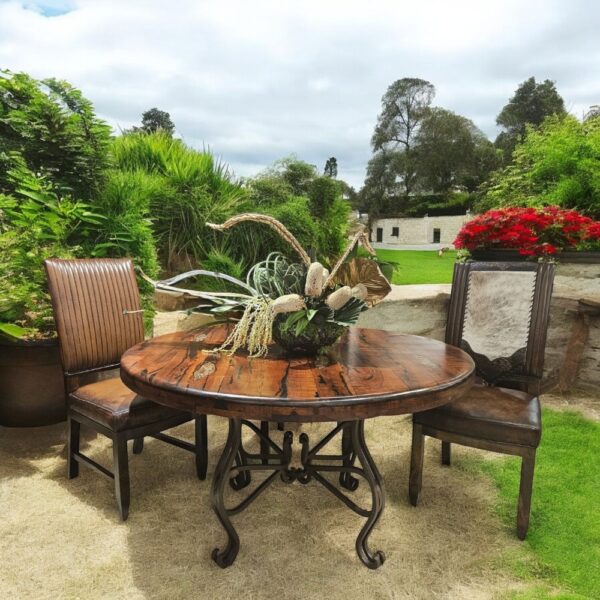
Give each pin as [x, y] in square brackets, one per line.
[419, 266]
[563, 544]
[561, 555]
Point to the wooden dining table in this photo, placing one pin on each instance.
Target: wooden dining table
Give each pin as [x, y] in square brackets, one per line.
[368, 373]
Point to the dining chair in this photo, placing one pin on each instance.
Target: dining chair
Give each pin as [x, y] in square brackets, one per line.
[499, 314]
[98, 316]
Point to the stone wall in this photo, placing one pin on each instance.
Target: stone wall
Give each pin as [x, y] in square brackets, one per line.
[419, 230]
[573, 346]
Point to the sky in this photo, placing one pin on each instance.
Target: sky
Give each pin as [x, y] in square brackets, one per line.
[258, 80]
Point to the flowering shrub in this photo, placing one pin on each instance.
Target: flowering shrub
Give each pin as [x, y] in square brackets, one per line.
[533, 231]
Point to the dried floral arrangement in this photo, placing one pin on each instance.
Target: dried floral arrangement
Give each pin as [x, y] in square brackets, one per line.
[301, 305]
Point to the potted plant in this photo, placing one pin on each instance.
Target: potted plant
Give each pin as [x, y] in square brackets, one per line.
[52, 148]
[58, 198]
[35, 224]
[302, 306]
[31, 380]
[520, 233]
